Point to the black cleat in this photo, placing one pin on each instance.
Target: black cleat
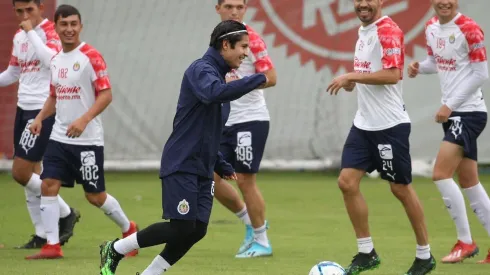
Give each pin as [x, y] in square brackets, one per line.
[363, 262]
[34, 243]
[109, 258]
[67, 225]
[422, 267]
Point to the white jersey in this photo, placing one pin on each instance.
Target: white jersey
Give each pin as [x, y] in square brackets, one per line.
[454, 46]
[380, 46]
[34, 75]
[77, 77]
[252, 106]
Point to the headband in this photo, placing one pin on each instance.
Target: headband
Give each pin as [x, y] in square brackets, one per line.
[230, 33]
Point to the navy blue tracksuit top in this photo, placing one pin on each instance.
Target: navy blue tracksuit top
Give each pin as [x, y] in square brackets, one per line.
[198, 123]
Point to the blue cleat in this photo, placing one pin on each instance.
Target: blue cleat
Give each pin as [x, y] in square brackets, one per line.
[256, 250]
[249, 237]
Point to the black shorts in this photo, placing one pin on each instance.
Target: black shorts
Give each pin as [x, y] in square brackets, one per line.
[26, 145]
[387, 151]
[187, 197]
[243, 145]
[69, 163]
[464, 128]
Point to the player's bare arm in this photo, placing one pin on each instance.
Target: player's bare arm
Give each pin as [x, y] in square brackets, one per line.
[48, 110]
[104, 98]
[271, 78]
[382, 77]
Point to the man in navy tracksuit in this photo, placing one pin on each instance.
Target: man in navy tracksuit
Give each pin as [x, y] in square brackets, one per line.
[191, 155]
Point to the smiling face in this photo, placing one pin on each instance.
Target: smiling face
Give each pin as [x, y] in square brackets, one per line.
[69, 29]
[446, 10]
[235, 54]
[368, 11]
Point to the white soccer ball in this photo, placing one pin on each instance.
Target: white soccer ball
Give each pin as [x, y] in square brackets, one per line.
[327, 268]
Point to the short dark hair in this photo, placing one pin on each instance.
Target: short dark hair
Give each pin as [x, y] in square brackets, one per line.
[37, 2]
[222, 29]
[63, 11]
[221, 2]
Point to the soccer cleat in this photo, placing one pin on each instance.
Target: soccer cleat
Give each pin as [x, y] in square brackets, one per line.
[249, 237]
[255, 250]
[422, 267]
[133, 228]
[486, 260]
[460, 252]
[109, 258]
[48, 251]
[363, 262]
[67, 225]
[33, 243]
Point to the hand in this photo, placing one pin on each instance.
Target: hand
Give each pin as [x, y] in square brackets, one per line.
[230, 177]
[443, 114]
[350, 87]
[338, 83]
[36, 127]
[76, 128]
[26, 25]
[413, 69]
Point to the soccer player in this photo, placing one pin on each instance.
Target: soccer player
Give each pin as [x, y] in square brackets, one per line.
[191, 153]
[379, 138]
[244, 138]
[456, 51]
[80, 91]
[29, 65]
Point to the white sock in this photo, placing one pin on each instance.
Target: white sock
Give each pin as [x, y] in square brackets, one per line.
[113, 210]
[50, 213]
[64, 208]
[454, 201]
[260, 235]
[243, 216]
[365, 245]
[423, 252]
[157, 267]
[127, 244]
[480, 203]
[33, 201]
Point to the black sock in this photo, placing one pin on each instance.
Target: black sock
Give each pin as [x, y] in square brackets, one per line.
[163, 232]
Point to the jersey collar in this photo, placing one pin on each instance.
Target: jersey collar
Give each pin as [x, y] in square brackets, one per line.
[370, 26]
[215, 57]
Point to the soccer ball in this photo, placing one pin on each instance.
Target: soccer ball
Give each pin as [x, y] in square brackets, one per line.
[327, 268]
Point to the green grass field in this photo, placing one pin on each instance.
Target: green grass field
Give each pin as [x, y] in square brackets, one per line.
[308, 224]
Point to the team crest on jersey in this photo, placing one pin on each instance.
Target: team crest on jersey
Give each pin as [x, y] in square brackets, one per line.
[183, 207]
[325, 32]
[452, 38]
[76, 66]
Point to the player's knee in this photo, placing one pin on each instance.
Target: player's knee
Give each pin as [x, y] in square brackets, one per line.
[22, 171]
[347, 184]
[50, 187]
[182, 229]
[401, 191]
[246, 182]
[96, 199]
[200, 231]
